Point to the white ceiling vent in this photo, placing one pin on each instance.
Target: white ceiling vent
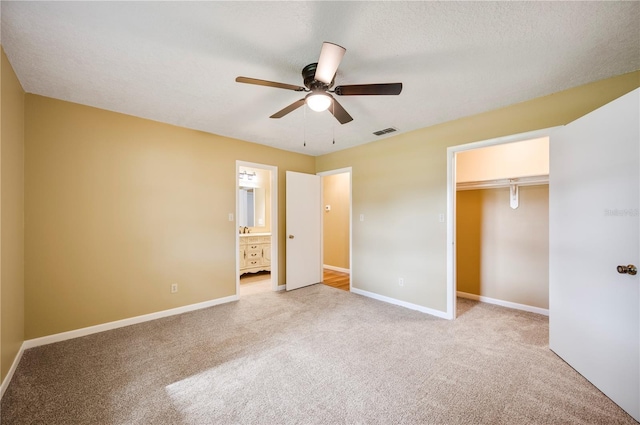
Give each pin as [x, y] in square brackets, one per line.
[385, 131]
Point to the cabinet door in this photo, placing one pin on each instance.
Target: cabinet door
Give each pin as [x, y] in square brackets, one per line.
[243, 257]
[266, 254]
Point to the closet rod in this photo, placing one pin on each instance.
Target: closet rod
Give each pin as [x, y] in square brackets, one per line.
[498, 183]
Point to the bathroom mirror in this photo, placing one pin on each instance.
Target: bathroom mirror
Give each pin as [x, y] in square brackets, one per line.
[251, 207]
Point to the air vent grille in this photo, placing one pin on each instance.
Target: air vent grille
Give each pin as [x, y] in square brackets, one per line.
[385, 131]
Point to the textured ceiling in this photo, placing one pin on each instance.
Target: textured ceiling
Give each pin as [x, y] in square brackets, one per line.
[176, 62]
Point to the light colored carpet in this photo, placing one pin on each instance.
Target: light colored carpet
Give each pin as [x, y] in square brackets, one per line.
[317, 355]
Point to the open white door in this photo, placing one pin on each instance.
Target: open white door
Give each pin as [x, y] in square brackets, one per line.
[594, 193]
[304, 214]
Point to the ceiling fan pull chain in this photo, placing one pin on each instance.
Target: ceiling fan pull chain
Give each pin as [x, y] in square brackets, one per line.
[304, 126]
[333, 104]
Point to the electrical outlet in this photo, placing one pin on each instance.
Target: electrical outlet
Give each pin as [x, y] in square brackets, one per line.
[401, 281]
[441, 218]
[174, 288]
[230, 216]
[361, 217]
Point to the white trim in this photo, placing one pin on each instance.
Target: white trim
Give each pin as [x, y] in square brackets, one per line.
[336, 171]
[508, 304]
[451, 232]
[77, 333]
[281, 287]
[404, 304]
[451, 202]
[335, 269]
[274, 228]
[12, 370]
[329, 173]
[273, 222]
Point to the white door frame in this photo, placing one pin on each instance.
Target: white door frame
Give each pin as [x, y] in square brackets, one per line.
[273, 222]
[450, 313]
[329, 173]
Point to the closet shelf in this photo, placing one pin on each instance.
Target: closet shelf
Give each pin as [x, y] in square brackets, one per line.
[494, 184]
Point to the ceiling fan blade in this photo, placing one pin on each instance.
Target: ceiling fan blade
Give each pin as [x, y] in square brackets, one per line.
[339, 112]
[330, 57]
[257, 82]
[369, 89]
[295, 105]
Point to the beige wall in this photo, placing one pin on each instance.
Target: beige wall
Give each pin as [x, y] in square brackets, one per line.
[503, 253]
[119, 207]
[527, 158]
[400, 185]
[12, 217]
[335, 192]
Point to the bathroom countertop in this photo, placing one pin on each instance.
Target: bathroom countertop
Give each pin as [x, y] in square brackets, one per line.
[254, 234]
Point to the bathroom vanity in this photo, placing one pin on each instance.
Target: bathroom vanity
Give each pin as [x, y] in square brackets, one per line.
[255, 252]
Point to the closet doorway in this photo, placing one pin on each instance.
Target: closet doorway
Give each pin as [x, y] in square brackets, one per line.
[336, 228]
[256, 224]
[498, 223]
[502, 226]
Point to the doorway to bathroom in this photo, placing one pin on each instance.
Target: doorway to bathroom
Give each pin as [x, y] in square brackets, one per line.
[256, 224]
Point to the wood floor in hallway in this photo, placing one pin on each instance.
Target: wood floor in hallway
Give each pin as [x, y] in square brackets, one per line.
[254, 283]
[336, 279]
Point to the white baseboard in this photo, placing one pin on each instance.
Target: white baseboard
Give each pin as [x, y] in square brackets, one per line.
[508, 304]
[405, 304]
[281, 287]
[12, 370]
[50, 339]
[335, 269]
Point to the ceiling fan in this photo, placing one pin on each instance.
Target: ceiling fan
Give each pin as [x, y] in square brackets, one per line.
[318, 81]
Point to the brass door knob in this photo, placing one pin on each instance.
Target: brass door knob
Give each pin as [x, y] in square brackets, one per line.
[630, 269]
[290, 236]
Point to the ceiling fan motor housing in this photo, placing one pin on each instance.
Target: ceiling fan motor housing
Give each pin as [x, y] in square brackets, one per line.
[310, 82]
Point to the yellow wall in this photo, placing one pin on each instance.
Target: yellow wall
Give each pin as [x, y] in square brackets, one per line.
[118, 208]
[400, 185]
[335, 192]
[527, 158]
[503, 253]
[12, 217]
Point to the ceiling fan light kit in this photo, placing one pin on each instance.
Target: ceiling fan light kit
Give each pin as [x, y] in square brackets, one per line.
[318, 101]
[318, 80]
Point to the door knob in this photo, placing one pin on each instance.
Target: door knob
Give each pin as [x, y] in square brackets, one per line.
[290, 236]
[630, 269]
